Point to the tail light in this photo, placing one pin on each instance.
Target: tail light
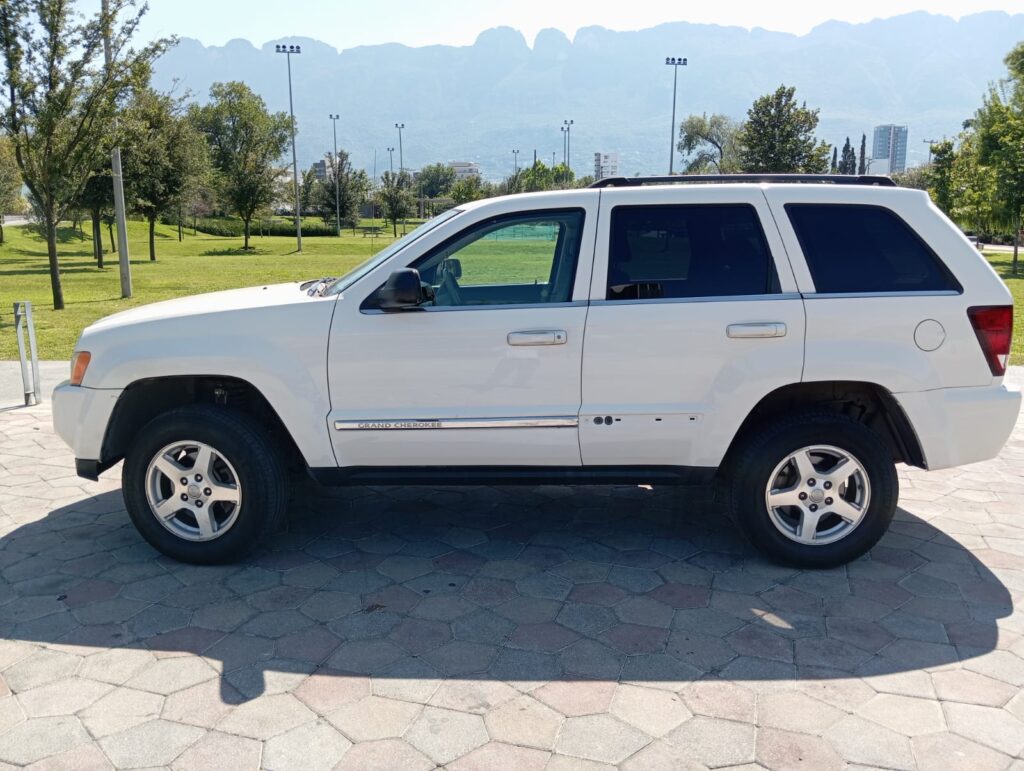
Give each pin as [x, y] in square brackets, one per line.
[993, 324]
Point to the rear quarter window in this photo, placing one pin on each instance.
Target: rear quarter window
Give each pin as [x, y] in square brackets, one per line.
[852, 248]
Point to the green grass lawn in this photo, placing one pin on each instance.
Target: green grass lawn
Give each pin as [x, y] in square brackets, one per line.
[199, 263]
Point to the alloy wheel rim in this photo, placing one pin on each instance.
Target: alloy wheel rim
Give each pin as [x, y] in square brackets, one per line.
[818, 495]
[193, 490]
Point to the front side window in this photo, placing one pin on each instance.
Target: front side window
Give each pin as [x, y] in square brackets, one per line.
[853, 248]
[659, 252]
[509, 260]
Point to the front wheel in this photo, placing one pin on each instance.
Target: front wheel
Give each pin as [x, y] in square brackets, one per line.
[814, 490]
[203, 484]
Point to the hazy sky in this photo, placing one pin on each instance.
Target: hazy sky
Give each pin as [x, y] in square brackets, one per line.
[348, 23]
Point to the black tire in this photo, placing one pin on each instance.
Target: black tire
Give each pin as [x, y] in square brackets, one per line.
[256, 462]
[767, 446]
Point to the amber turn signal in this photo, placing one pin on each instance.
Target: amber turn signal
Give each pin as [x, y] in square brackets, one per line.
[79, 363]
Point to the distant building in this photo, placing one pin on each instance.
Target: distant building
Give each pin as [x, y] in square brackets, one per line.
[606, 165]
[464, 169]
[890, 144]
[320, 168]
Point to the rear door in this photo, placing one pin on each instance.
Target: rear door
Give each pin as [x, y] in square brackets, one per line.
[694, 317]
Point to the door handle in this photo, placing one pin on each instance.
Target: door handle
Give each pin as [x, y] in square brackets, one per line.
[757, 330]
[538, 337]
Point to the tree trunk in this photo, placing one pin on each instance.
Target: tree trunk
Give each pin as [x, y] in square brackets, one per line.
[51, 250]
[152, 239]
[1016, 240]
[1, 230]
[394, 226]
[97, 237]
[113, 243]
[246, 245]
[180, 236]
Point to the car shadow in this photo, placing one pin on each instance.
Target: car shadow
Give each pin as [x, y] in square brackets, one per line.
[417, 585]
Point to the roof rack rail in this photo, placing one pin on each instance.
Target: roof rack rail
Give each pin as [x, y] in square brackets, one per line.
[829, 179]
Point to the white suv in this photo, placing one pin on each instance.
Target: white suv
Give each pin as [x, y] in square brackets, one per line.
[791, 337]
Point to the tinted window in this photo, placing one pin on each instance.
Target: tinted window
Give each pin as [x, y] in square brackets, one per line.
[865, 249]
[525, 258]
[687, 251]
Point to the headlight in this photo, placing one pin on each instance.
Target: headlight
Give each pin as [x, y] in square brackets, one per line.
[79, 363]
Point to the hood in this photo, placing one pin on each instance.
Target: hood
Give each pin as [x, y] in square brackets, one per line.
[206, 304]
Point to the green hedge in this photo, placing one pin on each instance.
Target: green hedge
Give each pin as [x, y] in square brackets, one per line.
[232, 227]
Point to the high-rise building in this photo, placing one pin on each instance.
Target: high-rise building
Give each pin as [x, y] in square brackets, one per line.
[606, 165]
[890, 144]
[320, 169]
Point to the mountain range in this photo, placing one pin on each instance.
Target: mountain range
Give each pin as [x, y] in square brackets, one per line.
[479, 102]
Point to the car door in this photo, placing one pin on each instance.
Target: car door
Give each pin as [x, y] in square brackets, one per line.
[486, 374]
[694, 317]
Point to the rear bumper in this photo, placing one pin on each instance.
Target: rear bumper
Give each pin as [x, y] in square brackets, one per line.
[80, 418]
[957, 426]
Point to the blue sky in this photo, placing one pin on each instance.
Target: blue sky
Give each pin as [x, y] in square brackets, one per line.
[348, 23]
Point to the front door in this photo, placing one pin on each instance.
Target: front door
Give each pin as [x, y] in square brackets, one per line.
[695, 317]
[488, 373]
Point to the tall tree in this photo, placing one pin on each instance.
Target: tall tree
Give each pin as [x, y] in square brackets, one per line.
[1000, 126]
[834, 168]
[310, 191]
[848, 160]
[10, 182]
[468, 189]
[862, 164]
[437, 180]
[62, 101]
[352, 186]
[976, 196]
[940, 175]
[246, 141]
[97, 199]
[394, 198]
[708, 143]
[778, 136]
[164, 155]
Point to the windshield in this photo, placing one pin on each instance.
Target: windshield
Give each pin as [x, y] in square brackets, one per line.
[343, 283]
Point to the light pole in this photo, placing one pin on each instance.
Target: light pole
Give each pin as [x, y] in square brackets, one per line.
[123, 262]
[515, 162]
[675, 63]
[928, 142]
[288, 50]
[391, 159]
[337, 170]
[568, 147]
[401, 157]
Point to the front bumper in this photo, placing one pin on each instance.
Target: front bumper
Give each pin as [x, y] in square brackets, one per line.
[957, 426]
[80, 418]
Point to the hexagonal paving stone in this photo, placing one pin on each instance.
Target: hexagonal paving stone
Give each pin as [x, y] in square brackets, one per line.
[35, 739]
[599, 737]
[863, 742]
[653, 711]
[155, 743]
[714, 742]
[313, 746]
[787, 750]
[374, 717]
[524, 721]
[496, 755]
[209, 753]
[444, 735]
[384, 755]
[266, 716]
[992, 727]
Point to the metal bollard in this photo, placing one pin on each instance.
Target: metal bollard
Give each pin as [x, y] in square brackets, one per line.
[29, 368]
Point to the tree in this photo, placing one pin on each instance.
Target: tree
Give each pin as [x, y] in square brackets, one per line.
[62, 101]
[245, 142]
[97, 198]
[915, 178]
[310, 191]
[10, 182]
[848, 160]
[164, 155]
[940, 175]
[708, 144]
[467, 189]
[834, 168]
[437, 180]
[1000, 127]
[975, 195]
[394, 198]
[778, 136]
[536, 178]
[862, 164]
[353, 187]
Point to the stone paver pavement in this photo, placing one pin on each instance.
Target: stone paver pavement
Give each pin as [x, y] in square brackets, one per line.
[487, 628]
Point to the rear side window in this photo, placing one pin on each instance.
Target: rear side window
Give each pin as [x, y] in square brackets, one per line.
[688, 251]
[865, 249]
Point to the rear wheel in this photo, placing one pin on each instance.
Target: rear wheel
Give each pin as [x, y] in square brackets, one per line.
[203, 484]
[814, 490]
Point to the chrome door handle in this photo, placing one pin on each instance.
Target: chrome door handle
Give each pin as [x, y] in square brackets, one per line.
[758, 330]
[538, 337]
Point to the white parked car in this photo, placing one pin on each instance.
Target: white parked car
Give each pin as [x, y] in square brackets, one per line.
[791, 338]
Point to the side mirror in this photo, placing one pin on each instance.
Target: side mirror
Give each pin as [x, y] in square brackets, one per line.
[402, 291]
